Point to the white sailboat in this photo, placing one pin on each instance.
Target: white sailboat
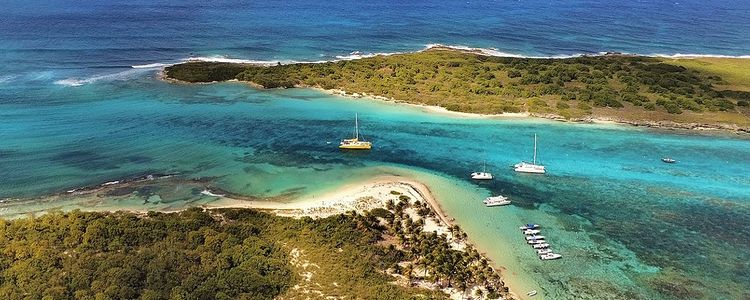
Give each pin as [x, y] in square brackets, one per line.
[484, 175]
[524, 167]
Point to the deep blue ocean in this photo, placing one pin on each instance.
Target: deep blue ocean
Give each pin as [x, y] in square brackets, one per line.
[80, 105]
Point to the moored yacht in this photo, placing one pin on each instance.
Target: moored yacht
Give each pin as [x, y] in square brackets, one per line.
[525, 167]
[531, 231]
[549, 256]
[484, 175]
[540, 246]
[539, 241]
[496, 201]
[355, 143]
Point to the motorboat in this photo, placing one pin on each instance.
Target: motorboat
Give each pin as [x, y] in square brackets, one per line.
[532, 242]
[540, 246]
[534, 237]
[543, 251]
[668, 160]
[550, 256]
[529, 226]
[496, 201]
[531, 293]
[531, 231]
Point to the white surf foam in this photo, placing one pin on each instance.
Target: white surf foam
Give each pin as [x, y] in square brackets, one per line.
[4, 79]
[210, 194]
[359, 55]
[498, 53]
[151, 66]
[226, 59]
[74, 81]
[681, 55]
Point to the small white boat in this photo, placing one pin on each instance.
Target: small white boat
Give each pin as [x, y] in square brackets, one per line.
[529, 226]
[668, 160]
[496, 201]
[484, 175]
[550, 256]
[532, 242]
[534, 237]
[540, 246]
[543, 251]
[524, 167]
[531, 293]
[531, 231]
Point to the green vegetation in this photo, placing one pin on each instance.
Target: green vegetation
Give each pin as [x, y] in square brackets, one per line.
[429, 257]
[734, 72]
[632, 88]
[196, 254]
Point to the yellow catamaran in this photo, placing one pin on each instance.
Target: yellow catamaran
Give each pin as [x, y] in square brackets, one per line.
[355, 143]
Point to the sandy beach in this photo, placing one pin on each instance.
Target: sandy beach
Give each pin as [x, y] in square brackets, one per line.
[360, 197]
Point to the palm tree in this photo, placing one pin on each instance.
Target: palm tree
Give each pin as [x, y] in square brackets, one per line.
[407, 272]
[479, 293]
[389, 205]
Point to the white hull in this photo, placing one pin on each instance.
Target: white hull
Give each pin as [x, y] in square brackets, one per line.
[532, 242]
[543, 251]
[529, 168]
[529, 226]
[550, 256]
[497, 203]
[481, 176]
[524, 167]
[534, 237]
[541, 246]
[531, 231]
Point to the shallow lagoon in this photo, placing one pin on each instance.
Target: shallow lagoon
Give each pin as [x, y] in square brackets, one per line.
[628, 225]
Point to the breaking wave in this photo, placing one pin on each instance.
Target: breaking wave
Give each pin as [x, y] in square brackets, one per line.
[74, 81]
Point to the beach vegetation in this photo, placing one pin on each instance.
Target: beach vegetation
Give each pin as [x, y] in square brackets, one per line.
[197, 254]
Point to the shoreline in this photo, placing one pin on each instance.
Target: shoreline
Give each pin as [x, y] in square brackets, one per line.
[693, 128]
[360, 196]
[696, 128]
[364, 196]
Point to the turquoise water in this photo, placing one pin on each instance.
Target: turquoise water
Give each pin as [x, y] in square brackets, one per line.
[80, 105]
[628, 225]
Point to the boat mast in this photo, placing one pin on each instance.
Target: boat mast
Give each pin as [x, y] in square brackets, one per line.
[356, 126]
[535, 148]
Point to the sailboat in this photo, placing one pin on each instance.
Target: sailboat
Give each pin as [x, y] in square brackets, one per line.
[355, 143]
[484, 175]
[524, 167]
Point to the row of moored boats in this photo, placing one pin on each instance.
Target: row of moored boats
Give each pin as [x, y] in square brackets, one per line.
[538, 243]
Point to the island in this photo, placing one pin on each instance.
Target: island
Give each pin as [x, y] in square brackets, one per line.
[693, 93]
[385, 239]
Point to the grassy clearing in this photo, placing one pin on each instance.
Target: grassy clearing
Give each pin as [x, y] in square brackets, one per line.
[734, 72]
